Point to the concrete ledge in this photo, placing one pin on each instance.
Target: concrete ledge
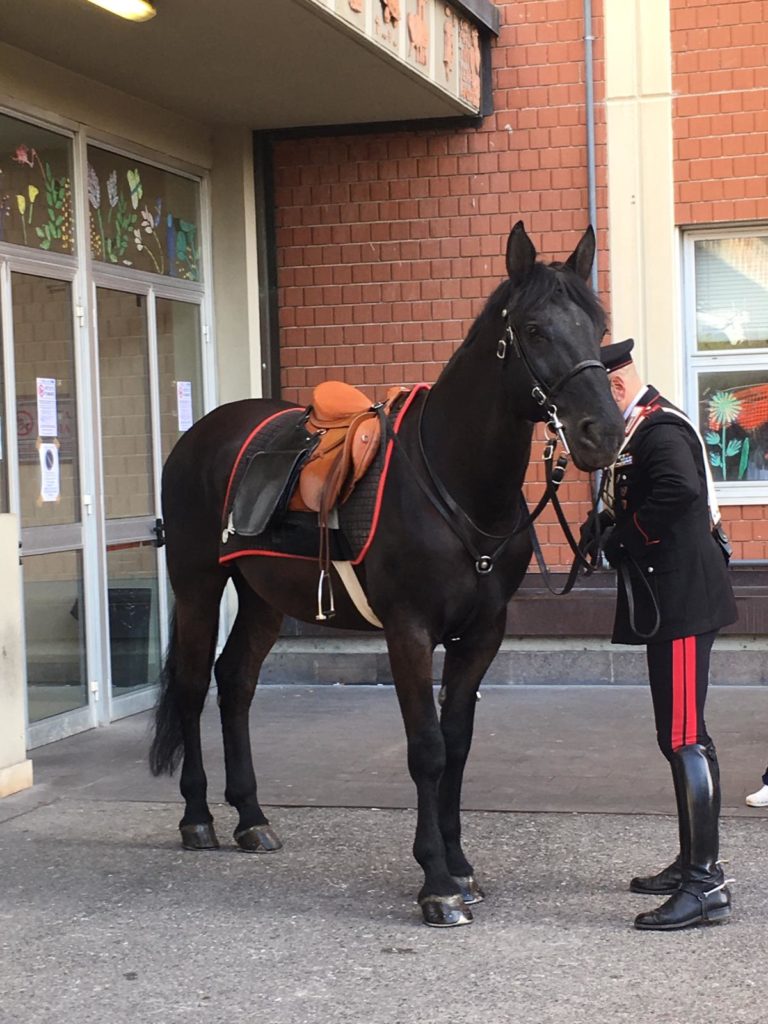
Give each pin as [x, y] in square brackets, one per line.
[363, 660]
[15, 777]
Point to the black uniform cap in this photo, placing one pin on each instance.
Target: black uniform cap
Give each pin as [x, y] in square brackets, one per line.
[614, 357]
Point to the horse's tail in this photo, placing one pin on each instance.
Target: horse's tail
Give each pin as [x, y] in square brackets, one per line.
[168, 742]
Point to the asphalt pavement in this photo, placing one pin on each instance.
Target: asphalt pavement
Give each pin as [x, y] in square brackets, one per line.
[104, 918]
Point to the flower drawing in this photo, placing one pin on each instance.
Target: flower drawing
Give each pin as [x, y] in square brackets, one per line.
[112, 190]
[94, 188]
[21, 206]
[25, 155]
[724, 409]
[148, 225]
[134, 184]
[33, 192]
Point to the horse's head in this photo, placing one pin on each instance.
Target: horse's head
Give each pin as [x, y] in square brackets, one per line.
[553, 324]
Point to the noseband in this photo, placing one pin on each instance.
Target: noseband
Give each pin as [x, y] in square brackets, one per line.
[541, 393]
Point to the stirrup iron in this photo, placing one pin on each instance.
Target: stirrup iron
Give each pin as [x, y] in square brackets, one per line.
[330, 611]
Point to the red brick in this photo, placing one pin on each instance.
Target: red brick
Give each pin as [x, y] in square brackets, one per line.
[395, 241]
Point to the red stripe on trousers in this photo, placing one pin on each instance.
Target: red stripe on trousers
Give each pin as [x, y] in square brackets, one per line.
[678, 693]
[691, 717]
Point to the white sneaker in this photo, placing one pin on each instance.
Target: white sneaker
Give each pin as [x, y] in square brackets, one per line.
[758, 799]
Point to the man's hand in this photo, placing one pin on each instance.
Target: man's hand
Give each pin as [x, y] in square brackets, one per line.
[594, 527]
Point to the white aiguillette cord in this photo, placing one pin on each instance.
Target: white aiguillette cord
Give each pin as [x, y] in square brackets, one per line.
[714, 508]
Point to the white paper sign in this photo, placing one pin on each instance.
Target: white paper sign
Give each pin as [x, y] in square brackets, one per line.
[184, 403]
[47, 420]
[49, 472]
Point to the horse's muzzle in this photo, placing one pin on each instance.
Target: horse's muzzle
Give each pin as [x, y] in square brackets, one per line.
[594, 443]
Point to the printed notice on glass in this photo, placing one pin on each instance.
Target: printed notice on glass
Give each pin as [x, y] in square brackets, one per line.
[49, 472]
[47, 420]
[184, 403]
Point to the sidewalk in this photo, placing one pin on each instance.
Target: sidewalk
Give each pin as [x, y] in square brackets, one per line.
[104, 917]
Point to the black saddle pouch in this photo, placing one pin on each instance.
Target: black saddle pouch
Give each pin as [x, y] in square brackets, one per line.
[270, 479]
[723, 542]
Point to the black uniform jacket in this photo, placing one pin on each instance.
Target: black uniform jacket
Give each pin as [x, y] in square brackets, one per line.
[663, 529]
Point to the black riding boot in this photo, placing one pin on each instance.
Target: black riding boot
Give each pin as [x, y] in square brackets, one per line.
[667, 880]
[703, 897]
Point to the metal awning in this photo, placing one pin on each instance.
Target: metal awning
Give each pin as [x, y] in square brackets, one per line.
[270, 64]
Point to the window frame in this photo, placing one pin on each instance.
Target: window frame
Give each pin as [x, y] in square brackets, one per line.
[729, 492]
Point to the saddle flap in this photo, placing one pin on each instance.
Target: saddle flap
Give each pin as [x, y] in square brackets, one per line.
[311, 483]
[362, 444]
[269, 478]
[335, 403]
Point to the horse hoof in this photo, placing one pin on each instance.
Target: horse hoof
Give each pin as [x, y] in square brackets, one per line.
[471, 892]
[199, 837]
[445, 911]
[258, 839]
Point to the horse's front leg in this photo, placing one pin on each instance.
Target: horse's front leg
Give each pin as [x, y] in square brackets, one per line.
[466, 662]
[410, 653]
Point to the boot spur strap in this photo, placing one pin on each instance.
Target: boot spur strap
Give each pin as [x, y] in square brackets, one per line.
[717, 888]
[691, 889]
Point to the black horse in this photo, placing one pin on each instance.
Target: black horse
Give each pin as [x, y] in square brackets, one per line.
[531, 356]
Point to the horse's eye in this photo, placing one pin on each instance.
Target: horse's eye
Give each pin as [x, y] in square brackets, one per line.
[532, 330]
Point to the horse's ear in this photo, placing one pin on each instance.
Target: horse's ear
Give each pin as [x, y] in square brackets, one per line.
[581, 259]
[521, 253]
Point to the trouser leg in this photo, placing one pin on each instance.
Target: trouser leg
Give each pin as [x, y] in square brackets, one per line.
[679, 674]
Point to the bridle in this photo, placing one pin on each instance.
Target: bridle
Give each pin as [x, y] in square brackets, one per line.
[462, 525]
[542, 393]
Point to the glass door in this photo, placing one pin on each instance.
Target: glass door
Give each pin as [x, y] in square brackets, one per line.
[130, 496]
[48, 474]
[150, 390]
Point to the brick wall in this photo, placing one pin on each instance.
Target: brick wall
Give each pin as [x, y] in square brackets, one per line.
[720, 82]
[388, 245]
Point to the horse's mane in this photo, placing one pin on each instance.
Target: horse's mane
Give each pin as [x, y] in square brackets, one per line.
[536, 289]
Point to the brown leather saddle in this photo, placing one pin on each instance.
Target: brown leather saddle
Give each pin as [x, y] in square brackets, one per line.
[350, 435]
[312, 462]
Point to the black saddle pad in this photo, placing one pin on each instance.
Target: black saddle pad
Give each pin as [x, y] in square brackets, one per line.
[296, 534]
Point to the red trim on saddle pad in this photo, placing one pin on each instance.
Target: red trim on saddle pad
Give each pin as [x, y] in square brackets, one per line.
[267, 554]
[416, 390]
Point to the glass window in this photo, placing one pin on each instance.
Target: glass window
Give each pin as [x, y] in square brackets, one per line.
[727, 332]
[46, 400]
[180, 369]
[126, 423]
[54, 627]
[143, 217]
[731, 293]
[733, 416]
[35, 187]
[134, 623]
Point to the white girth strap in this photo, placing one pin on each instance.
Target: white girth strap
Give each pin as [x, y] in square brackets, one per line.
[355, 591]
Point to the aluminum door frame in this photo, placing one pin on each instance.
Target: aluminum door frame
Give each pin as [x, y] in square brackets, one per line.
[151, 288]
[78, 536]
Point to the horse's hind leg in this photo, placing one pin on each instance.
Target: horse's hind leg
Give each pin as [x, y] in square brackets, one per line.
[186, 678]
[237, 671]
[466, 662]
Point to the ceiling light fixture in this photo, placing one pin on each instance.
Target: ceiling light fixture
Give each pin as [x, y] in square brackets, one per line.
[132, 10]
